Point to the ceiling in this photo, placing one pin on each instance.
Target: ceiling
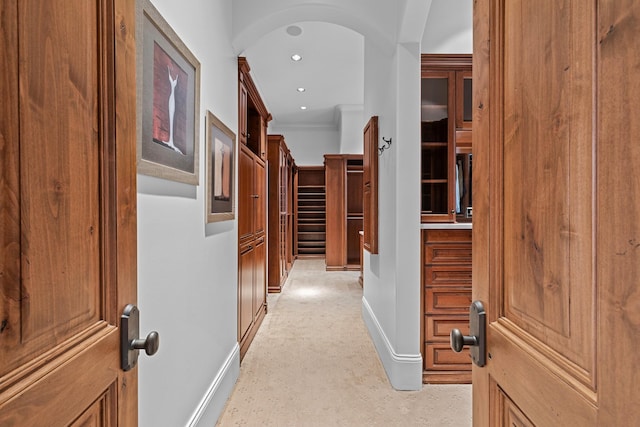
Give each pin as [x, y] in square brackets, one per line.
[332, 66]
[331, 72]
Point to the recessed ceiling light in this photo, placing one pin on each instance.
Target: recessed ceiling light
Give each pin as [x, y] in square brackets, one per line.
[296, 57]
[301, 89]
[303, 107]
[294, 30]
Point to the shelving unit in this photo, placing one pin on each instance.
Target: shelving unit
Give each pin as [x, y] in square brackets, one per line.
[344, 181]
[311, 212]
[354, 211]
[446, 137]
[446, 146]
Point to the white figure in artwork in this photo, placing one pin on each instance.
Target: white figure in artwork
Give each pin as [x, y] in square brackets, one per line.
[172, 109]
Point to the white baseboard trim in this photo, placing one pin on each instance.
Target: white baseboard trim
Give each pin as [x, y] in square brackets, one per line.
[403, 370]
[210, 407]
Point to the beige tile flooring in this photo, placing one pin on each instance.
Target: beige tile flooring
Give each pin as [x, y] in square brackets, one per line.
[312, 363]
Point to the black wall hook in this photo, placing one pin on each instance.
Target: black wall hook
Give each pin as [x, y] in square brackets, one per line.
[386, 146]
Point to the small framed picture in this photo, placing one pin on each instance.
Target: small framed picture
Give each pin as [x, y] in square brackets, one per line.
[168, 100]
[221, 145]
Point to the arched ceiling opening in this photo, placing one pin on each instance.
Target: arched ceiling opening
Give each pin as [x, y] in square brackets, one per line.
[332, 43]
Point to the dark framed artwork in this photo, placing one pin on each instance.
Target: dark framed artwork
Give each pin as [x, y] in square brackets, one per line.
[168, 100]
[221, 148]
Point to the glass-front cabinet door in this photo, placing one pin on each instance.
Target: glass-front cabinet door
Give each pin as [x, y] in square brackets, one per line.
[437, 132]
[446, 138]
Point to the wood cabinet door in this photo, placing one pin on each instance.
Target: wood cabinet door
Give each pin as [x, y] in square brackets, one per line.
[260, 191]
[245, 193]
[246, 266]
[260, 277]
[370, 185]
[556, 238]
[68, 211]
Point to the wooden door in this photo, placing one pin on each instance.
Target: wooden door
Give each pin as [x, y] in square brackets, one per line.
[370, 185]
[556, 236]
[68, 211]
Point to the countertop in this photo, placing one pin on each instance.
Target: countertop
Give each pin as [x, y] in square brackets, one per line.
[446, 226]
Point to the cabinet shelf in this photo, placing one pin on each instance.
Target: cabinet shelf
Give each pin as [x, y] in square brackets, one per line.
[311, 211]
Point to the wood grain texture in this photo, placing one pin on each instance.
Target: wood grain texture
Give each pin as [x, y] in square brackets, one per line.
[446, 297]
[554, 243]
[335, 183]
[370, 185]
[68, 211]
[482, 232]
[618, 195]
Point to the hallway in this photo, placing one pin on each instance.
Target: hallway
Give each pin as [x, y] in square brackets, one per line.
[312, 363]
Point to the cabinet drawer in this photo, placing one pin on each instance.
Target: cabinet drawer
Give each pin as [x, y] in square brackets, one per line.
[447, 301]
[440, 357]
[446, 236]
[456, 253]
[438, 328]
[447, 275]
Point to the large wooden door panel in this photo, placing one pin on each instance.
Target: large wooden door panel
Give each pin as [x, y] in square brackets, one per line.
[59, 180]
[67, 211]
[555, 139]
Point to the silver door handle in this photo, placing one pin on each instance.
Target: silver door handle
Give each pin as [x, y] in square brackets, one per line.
[130, 342]
[477, 335]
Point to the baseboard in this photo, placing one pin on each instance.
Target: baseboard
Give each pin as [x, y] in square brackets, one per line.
[212, 404]
[403, 370]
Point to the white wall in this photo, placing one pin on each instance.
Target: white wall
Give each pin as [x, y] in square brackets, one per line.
[449, 28]
[351, 123]
[391, 301]
[308, 145]
[187, 271]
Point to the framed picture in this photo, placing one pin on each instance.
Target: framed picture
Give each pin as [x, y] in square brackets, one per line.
[221, 148]
[168, 100]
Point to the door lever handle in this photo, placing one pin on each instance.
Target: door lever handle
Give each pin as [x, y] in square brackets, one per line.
[149, 345]
[458, 341]
[477, 337]
[130, 342]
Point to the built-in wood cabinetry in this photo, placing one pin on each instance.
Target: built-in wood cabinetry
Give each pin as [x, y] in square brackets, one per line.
[281, 177]
[311, 212]
[446, 138]
[252, 208]
[370, 186]
[344, 204]
[446, 278]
